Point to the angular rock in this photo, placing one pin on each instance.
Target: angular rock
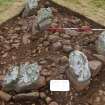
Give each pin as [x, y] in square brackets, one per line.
[43, 95]
[21, 78]
[26, 39]
[95, 67]
[100, 44]
[57, 46]
[53, 38]
[79, 71]
[44, 18]
[63, 60]
[48, 100]
[53, 103]
[67, 48]
[45, 72]
[72, 32]
[40, 83]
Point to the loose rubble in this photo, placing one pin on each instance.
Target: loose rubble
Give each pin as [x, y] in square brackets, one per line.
[27, 40]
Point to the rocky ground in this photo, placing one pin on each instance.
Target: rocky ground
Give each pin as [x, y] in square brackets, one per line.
[51, 50]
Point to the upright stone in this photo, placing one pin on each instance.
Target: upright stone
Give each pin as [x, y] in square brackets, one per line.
[44, 18]
[79, 71]
[30, 8]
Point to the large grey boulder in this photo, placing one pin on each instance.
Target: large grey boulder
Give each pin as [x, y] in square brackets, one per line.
[79, 71]
[21, 78]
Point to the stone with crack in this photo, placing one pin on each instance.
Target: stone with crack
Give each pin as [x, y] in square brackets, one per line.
[21, 78]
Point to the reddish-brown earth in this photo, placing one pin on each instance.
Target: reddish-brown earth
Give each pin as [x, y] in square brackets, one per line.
[51, 50]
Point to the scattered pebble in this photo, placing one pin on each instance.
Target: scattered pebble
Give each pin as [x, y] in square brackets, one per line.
[53, 103]
[95, 67]
[57, 46]
[48, 100]
[67, 48]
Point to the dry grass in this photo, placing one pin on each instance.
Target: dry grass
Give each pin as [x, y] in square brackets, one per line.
[93, 9]
[10, 8]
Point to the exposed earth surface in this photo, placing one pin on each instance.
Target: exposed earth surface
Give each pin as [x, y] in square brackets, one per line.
[51, 51]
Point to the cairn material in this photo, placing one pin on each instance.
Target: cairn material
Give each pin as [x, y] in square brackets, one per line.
[21, 78]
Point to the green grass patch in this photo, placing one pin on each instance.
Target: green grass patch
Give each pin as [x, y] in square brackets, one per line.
[6, 2]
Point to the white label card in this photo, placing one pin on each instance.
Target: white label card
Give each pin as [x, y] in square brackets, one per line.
[59, 85]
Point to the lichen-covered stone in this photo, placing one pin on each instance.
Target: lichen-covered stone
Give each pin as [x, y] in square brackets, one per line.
[20, 78]
[79, 71]
[30, 8]
[32, 3]
[79, 63]
[100, 44]
[44, 18]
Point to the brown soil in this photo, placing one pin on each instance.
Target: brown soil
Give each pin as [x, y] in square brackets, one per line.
[18, 45]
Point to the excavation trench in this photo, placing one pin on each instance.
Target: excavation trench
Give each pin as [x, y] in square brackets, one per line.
[49, 49]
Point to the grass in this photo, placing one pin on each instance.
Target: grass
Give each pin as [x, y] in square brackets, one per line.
[93, 9]
[10, 8]
[98, 3]
[4, 4]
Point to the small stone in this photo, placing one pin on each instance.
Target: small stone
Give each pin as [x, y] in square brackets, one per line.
[16, 45]
[45, 43]
[53, 38]
[101, 92]
[97, 99]
[64, 60]
[53, 103]
[95, 67]
[65, 36]
[41, 82]
[33, 104]
[43, 62]
[42, 95]
[45, 72]
[75, 21]
[72, 33]
[66, 42]
[26, 39]
[5, 55]
[57, 46]
[48, 100]
[67, 48]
